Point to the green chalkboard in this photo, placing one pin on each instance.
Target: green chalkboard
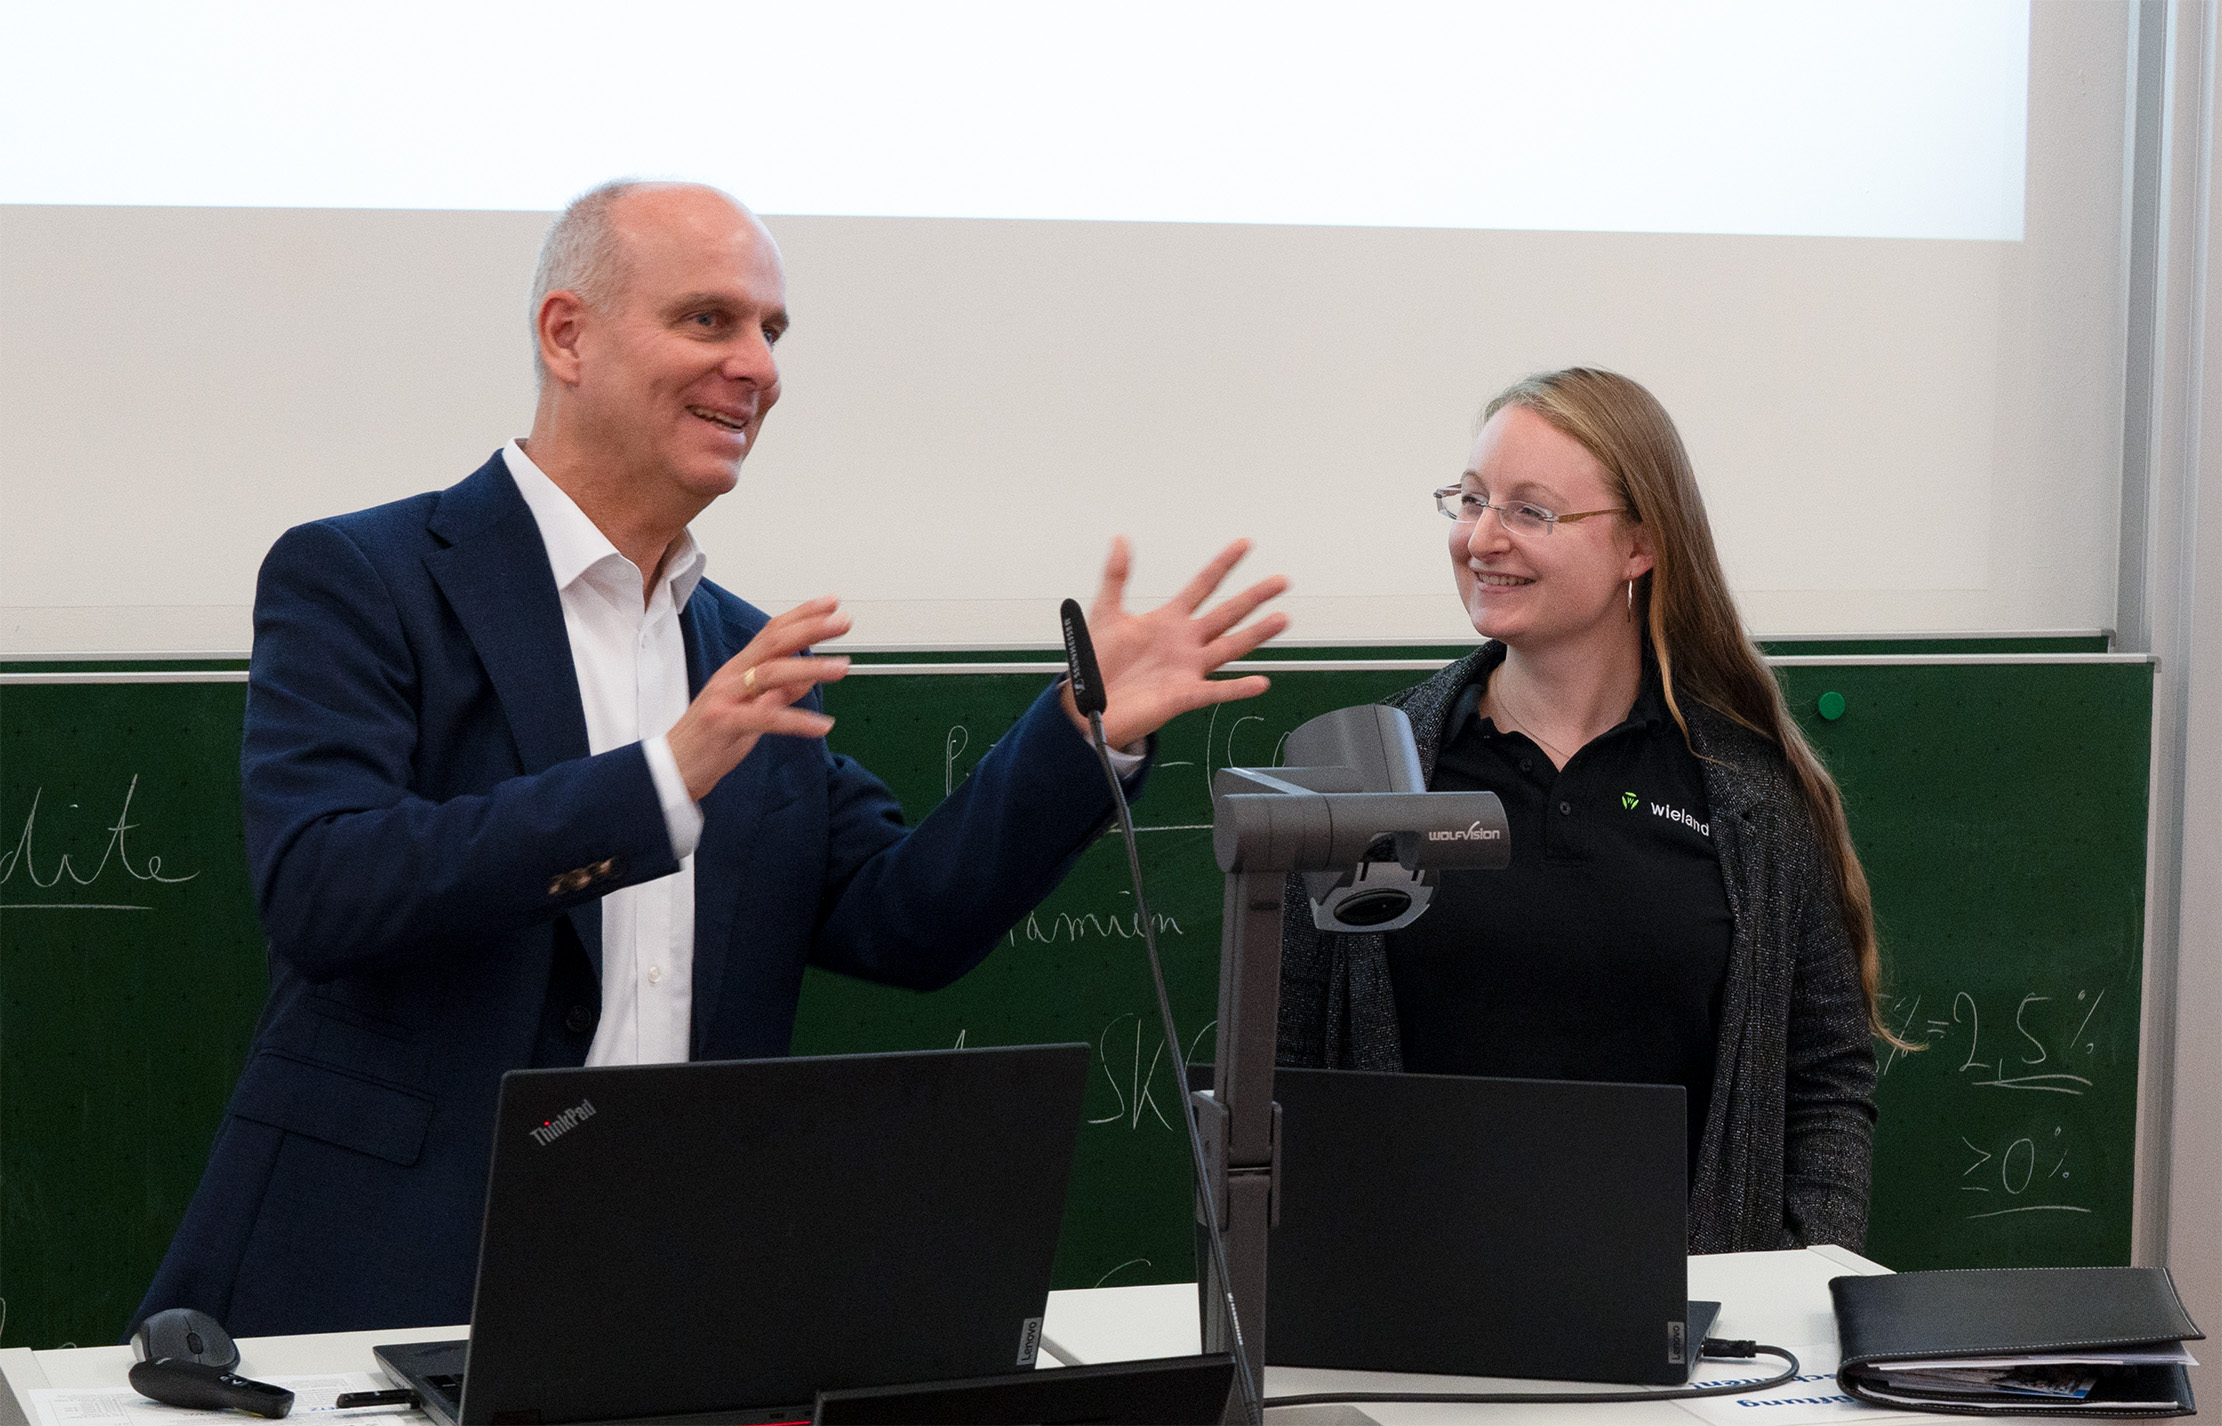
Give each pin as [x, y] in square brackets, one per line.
[2000, 809]
[131, 971]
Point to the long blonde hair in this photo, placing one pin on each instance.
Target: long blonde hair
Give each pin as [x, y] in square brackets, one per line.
[1695, 632]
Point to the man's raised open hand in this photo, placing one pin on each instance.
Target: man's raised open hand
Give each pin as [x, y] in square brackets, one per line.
[751, 695]
[1158, 665]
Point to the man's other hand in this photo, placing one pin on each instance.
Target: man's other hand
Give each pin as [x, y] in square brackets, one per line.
[751, 695]
[1157, 666]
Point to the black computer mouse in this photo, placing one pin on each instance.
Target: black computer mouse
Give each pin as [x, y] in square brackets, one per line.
[184, 1335]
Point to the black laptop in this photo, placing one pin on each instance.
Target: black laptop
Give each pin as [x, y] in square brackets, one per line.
[1482, 1227]
[725, 1240]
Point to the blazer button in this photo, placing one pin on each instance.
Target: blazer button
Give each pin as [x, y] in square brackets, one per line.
[579, 1021]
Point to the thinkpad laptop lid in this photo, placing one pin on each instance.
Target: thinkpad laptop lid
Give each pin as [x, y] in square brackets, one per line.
[668, 1240]
[1482, 1227]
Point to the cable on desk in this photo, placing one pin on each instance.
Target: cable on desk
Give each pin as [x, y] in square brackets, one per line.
[1715, 1347]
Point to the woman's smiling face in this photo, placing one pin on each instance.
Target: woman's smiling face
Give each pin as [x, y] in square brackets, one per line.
[1555, 584]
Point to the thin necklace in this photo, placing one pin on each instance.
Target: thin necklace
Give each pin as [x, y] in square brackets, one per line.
[1564, 757]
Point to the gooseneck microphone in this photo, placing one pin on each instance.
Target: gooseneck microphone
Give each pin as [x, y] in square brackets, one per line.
[1089, 697]
[1080, 667]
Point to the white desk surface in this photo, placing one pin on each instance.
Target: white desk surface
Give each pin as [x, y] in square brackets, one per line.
[1781, 1298]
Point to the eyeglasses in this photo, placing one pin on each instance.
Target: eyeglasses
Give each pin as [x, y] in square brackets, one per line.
[1456, 502]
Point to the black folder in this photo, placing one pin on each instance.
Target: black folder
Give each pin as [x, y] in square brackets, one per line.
[2014, 1341]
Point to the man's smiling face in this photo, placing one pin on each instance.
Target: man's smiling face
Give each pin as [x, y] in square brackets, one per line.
[676, 370]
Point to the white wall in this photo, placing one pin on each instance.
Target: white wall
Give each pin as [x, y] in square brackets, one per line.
[2179, 1218]
[1892, 434]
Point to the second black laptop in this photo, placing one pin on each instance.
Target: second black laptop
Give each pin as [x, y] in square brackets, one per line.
[1482, 1227]
[666, 1241]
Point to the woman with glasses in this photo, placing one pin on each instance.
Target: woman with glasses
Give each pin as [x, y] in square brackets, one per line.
[1684, 905]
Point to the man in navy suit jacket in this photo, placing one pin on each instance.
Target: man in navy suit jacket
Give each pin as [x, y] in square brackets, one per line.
[433, 829]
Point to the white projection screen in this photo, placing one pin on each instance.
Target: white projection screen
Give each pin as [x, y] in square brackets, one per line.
[1058, 272]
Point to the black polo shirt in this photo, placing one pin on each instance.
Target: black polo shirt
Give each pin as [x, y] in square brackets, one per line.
[1599, 954]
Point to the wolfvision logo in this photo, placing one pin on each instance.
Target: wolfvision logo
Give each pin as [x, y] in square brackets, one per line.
[551, 1130]
[1676, 814]
[1475, 833]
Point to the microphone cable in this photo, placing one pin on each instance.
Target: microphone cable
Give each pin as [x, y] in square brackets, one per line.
[1089, 697]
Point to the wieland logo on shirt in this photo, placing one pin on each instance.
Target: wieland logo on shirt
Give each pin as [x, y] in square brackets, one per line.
[1628, 800]
[1676, 814]
[551, 1130]
[1474, 833]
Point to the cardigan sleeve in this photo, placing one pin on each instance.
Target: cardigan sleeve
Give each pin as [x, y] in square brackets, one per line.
[1829, 1088]
[1338, 1009]
[1307, 972]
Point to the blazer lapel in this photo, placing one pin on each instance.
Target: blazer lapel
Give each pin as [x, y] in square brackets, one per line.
[730, 815]
[495, 575]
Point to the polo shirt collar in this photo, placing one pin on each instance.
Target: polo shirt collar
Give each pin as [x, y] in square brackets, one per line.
[1648, 712]
[1650, 708]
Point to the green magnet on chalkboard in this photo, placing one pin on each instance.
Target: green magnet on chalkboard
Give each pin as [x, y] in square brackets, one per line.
[1832, 706]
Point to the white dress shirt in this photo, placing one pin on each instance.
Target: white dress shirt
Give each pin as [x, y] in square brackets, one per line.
[631, 663]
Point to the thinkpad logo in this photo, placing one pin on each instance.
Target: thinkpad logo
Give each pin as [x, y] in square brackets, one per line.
[551, 1130]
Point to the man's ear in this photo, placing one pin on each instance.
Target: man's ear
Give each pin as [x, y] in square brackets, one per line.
[561, 319]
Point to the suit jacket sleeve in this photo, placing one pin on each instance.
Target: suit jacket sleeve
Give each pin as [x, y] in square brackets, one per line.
[920, 909]
[356, 867]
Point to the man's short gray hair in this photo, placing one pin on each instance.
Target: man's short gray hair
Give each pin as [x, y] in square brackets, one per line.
[582, 253]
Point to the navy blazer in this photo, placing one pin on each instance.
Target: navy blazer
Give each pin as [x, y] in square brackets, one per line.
[430, 842]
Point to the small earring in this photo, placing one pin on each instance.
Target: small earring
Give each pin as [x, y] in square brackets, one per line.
[1631, 599]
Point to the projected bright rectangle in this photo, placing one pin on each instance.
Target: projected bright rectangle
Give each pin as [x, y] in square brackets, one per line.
[1876, 118]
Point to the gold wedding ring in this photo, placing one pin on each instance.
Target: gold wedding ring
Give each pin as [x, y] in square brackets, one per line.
[748, 680]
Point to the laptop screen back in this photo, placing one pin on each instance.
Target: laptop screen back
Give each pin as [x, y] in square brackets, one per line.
[1486, 1227]
[668, 1239]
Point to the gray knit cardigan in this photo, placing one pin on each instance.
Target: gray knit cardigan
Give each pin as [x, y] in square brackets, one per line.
[1790, 1134]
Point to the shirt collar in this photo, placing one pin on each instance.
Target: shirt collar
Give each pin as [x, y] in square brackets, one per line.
[1650, 709]
[1648, 712]
[575, 544]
